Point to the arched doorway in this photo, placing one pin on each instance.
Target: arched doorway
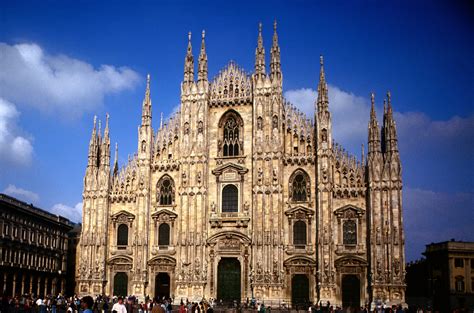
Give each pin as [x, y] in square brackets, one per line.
[228, 280]
[162, 285]
[350, 291]
[120, 284]
[300, 291]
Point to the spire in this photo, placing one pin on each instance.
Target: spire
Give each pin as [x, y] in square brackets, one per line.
[115, 170]
[323, 101]
[146, 107]
[260, 55]
[275, 66]
[189, 63]
[202, 66]
[374, 130]
[92, 156]
[106, 130]
[389, 132]
[161, 120]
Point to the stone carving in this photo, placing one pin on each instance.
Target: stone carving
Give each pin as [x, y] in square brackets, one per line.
[271, 140]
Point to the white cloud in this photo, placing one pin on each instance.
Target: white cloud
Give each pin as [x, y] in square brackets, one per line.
[350, 117]
[350, 113]
[431, 216]
[72, 213]
[22, 194]
[57, 82]
[14, 148]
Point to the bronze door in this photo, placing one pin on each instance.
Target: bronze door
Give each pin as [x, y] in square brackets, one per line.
[162, 285]
[120, 284]
[228, 280]
[350, 291]
[300, 291]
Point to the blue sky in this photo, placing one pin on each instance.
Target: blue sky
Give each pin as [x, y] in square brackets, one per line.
[62, 62]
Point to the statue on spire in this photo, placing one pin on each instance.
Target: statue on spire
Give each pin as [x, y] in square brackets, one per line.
[260, 55]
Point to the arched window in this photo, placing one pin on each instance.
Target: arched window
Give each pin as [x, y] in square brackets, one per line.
[299, 234]
[231, 130]
[299, 187]
[122, 235]
[231, 146]
[349, 232]
[165, 190]
[230, 199]
[164, 235]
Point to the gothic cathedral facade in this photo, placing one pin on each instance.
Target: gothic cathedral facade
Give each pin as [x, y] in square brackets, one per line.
[239, 195]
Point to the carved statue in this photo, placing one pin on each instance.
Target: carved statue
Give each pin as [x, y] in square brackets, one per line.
[260, 176]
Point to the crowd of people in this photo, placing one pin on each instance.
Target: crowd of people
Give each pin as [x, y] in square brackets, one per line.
[131, 304]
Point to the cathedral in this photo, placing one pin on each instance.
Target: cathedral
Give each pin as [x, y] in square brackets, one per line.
[241, 196]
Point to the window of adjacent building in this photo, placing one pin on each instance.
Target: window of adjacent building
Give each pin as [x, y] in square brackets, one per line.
[349, 232]
[299, 186]
[230, 199]
[122, 236]
[458, 262]
[165, 188]
[459, 283]
[6, 229]
[164, 235]
[231, 142]
[299, 234]
[15, 231]
[24, 234]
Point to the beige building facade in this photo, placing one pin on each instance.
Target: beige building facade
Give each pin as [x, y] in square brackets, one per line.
[240, 195]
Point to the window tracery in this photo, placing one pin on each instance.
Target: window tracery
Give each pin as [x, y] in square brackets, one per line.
[230, 199]
[299, 187]
[165, 191]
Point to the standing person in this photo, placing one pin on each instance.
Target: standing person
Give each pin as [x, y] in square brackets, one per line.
[119, 307]
[86, 304]
[157, 308]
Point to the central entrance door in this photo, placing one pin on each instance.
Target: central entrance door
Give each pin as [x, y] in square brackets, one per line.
[228, 280]
[350, 291]
[300, 291]
[120, 284]
[162, 285]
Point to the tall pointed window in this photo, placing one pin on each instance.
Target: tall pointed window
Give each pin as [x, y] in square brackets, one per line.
[299, 187]
[299, 234]
[165, 191]
[122, 236]
[231, 130]
[231, 145]
[230, 199]
[349, 232]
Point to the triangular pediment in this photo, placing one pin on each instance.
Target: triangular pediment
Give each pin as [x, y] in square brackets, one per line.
[298, 210]
[162, 260]
[230, 167]
[299, 261]
[349, 211]
[164, 212]
[123, 216]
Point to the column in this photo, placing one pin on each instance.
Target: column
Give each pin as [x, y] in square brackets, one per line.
[38, 285]
[46, 280]
[14, 284]
[5, 276]
[30, 291]
[63, 286]
[23, 276]
[53, 287]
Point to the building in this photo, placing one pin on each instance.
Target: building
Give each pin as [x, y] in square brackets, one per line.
[34, 246]
[448, 277]
[240, 195]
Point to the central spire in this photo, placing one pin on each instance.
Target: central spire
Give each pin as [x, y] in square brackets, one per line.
[146, 107]
[275, 66]
[189, 63]
[323, 101]
[260, 55]
[202, 66]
